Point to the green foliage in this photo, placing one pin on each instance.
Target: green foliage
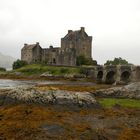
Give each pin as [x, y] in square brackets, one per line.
[64, 70]
[117, 61]
[82, 60]
[2, 69]
[18, 64]
[35, 69]
[83, 70]
[110, 102]
[45, 62]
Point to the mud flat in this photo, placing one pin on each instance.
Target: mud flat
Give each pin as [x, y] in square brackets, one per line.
[35, 122]
[48, 112]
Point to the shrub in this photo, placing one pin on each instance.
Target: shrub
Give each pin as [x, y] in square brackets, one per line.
[19, 63]
[82, 60]
[64, 70]
[82, 70]
[2, 69]
[117, 61]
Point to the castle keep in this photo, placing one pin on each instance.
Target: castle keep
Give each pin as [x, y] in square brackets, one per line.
[73, 45]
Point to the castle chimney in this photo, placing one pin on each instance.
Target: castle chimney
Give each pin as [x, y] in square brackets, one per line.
[82, 29]
[69, 31]
[37, 43]
[51, 46]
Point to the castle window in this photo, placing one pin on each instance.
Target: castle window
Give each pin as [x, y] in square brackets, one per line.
[54, 61]
[53, 50]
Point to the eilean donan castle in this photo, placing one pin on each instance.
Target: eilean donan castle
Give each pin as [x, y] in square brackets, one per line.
[74, 44]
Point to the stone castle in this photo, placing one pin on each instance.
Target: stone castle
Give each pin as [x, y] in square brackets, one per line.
[74, 44]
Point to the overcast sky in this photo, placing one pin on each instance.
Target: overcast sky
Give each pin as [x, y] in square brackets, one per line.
[114, 25]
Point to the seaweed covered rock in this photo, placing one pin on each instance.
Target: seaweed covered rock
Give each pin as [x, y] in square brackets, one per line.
[129, 91]
[57, 97]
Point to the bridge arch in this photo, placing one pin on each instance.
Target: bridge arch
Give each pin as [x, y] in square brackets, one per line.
[110, 77]
[99, 75]
[125, 76]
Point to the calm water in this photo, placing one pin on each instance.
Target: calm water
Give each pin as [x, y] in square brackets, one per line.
[15, 83]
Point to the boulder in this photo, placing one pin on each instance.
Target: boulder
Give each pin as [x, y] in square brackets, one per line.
[129, 91]
[46, 74]
[56, 97]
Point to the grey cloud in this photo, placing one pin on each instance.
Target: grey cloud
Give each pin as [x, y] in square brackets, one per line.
[115, 33]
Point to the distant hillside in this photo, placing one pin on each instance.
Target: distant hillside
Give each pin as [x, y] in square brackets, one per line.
[6, 61]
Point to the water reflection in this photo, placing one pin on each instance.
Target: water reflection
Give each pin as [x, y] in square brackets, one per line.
[16, 83]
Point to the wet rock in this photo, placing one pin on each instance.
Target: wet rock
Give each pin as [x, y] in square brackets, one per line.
[79, 76]
[18, 73]
[54, 129]
[117, 106]
[129, 91]
[2, 98]
[56, 97]
[46, 74]
[68, 75]
[133, 87]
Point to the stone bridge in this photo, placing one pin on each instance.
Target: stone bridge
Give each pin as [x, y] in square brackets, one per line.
[114, 74]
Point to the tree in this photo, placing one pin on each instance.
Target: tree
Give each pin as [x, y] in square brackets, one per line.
[117, 61]
[19, 63]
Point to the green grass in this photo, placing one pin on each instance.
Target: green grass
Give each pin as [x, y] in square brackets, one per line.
[110, 102]
[36, 69]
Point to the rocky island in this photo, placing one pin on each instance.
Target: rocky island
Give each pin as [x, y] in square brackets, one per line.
[61, 93]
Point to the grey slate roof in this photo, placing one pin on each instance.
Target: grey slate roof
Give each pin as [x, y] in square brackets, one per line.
[76, 35]
[29, 47]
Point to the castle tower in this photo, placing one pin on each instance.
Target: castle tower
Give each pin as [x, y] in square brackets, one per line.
[78, 40]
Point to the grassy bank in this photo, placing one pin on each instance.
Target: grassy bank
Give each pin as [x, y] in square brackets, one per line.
[110, 102]
[35, 70]
[38, 69]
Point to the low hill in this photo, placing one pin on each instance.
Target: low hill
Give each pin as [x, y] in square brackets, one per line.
[6, 61]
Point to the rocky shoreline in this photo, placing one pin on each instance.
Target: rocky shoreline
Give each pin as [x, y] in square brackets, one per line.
[27, 112]
[31, 95]
[131, 91]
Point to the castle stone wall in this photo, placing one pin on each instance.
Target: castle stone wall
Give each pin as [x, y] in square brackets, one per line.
[74, 44]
